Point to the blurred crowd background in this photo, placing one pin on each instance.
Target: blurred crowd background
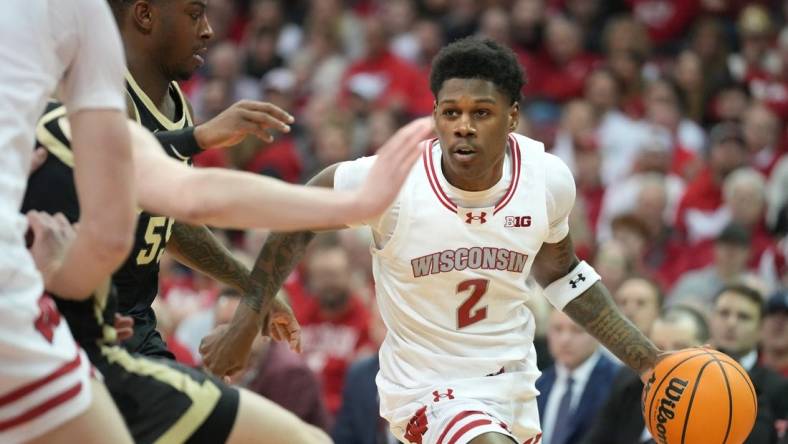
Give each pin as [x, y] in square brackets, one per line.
[670, 113]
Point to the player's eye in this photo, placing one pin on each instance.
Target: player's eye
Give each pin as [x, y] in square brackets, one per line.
[450, 113]
[482, 113]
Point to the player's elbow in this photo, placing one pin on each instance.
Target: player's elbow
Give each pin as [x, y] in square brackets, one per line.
[110, 245]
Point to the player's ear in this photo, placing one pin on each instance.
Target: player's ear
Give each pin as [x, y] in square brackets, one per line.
[514, 116]
[142, 15]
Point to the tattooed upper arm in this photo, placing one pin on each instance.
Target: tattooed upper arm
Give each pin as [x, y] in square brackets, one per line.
[554, 261]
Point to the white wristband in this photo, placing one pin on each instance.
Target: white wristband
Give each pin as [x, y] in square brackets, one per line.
[565, 289]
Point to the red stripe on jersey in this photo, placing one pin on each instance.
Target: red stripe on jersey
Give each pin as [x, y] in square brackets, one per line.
[459, 417]
[433, 179]
[30, 387]
[42, 408]
[467, 428]
[515, 146]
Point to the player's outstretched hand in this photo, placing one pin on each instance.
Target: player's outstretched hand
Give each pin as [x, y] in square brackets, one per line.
[52, 236]
[243, 118]
[281, 324]
[225, 351]
[221, 354]
[394, 161]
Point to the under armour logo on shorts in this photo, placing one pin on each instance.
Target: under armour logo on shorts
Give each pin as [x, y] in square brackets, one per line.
[438, 395]
[580, 277]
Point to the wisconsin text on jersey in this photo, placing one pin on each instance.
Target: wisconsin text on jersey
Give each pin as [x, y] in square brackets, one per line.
[486, 258]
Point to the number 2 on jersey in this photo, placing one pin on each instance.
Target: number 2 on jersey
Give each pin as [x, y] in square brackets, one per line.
[156, 235]
[466, 315]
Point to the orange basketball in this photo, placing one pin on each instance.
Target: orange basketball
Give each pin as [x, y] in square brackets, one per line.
[699, 396]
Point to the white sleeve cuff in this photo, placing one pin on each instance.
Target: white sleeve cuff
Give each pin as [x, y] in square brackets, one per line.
[566, 289]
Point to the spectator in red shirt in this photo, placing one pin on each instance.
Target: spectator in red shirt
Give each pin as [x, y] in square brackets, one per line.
[744, 204]
[280, 158]
[577, 145]
[663, 248]
[744, 193]
[754, 59]
[761, 67]
[392, 82]
[528, 22]
[335, 322]
[559, 73]
[666, 20]
[665, 107]
[762, 132]
[701, 214]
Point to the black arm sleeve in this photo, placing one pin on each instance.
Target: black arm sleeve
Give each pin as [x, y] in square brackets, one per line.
[180, 144]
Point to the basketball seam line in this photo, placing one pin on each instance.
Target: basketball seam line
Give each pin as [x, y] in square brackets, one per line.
[656, 388]
[692, 398]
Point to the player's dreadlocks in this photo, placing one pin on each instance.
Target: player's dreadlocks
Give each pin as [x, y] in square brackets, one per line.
[474, 58]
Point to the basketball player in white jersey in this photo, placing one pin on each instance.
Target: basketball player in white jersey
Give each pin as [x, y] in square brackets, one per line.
[72, 49]
[46, 390]
[483, 210]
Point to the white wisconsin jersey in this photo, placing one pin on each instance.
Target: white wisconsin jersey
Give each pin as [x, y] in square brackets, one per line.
[451, 281]
[72, 46]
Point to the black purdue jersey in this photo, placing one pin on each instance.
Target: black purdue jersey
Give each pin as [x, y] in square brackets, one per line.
[156, 397]
[137, 280]
[51, 189]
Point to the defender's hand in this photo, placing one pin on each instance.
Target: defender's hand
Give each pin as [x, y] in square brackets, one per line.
[225, 351]
[240, 120]
[39, 157]
[124, 327]
[281, 324]
[392, 166]
[52, 236]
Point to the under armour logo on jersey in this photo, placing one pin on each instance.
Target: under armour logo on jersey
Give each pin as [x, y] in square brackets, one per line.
[580, 278]
[480, 217]
[517, 221]
[438, 395]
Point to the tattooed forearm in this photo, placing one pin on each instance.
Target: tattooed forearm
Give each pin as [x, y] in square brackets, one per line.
[282, 251]
[198, 248]
[279, 255]
[596, 311]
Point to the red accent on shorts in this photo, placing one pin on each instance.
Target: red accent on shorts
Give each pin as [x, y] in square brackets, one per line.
[42, 408]
[32, 386]
[467, 428]
[459, 417]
